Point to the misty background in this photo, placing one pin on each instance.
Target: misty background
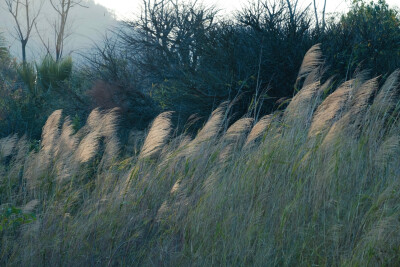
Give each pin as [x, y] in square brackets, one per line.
[86, 26]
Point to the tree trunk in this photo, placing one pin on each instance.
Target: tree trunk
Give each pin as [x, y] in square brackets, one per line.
[316, 16]
[323, 17]
[23, 45]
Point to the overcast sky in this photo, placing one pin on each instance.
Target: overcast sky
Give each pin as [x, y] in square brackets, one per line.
[86, 26]
[125, 8]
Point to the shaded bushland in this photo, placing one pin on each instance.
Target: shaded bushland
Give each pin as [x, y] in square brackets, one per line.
[315, 183]
[186, 57]
[30, 92]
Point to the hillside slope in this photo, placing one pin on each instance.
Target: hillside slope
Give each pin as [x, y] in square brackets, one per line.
[316, 184]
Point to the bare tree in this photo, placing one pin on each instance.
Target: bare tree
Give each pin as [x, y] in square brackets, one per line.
[316, 15]
[63, 8]
[323, 16]
[24, 17]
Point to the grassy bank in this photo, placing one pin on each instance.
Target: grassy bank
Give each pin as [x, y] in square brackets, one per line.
[315, 184]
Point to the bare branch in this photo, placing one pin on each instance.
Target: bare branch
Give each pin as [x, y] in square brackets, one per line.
[15, 7]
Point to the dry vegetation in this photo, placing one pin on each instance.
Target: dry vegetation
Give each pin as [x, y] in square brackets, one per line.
[317, 184]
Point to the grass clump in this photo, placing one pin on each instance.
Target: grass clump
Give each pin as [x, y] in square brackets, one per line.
[317, 184]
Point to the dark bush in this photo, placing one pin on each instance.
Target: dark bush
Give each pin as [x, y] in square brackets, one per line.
[369, 34]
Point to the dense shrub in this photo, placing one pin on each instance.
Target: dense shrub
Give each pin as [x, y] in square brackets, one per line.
[192, 59]
[30, 92]
[368, 35]
[188, 58]
[116, 82]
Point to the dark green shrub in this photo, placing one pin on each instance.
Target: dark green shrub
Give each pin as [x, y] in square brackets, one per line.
[368, 34]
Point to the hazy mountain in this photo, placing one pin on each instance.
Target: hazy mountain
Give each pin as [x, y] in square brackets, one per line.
[86, 25]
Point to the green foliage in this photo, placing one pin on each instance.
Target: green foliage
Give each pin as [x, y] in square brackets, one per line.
[368, 34]
[31, 91]
[76, 123]
[5, 60]
[50, 73]
[27, 73]
[3, 49]
[12, 218]
[42, 78]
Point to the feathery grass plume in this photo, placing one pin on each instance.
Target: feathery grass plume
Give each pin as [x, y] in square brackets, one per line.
[377, 245]
[358, 104]
[326, 86]
[301, 108]
[98, 126]
[330, 109]
[312, 61]
[51, 132]
[7, 146]
[259, 129]
[101, 128]
[108, 122]
[89, 136]
[94, 119]
[237, 130]
[50, 139]
[386, 100]
[109, 131]
[314, 76]
[88, 147]
[158, 135]
[211, 129]
[68, 141]
[363, 96]
[213, 126]
[162, 211]
[388, 95]
[180, 196]
[67, 145]
[175, 198]
[235, 136]
[384, 111]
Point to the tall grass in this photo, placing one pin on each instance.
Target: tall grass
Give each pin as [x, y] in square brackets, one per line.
[317, 184]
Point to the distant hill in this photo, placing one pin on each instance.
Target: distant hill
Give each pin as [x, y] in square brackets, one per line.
[86, 25]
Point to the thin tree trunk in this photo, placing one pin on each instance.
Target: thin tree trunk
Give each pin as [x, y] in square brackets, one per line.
[316, 15]
[323, 16]
[23, 45]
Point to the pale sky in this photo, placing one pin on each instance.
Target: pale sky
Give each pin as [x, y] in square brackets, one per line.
[125, 8]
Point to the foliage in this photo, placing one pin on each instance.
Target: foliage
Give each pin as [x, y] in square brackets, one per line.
[3, 48]
[52, 73]
[115, 82]
[12, 218]
[369, 34]
[31, 93]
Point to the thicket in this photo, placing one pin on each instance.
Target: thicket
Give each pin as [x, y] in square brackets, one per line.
[186, 57]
